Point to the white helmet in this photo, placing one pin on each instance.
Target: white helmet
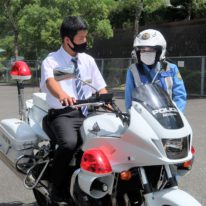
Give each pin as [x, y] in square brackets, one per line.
[151, 38]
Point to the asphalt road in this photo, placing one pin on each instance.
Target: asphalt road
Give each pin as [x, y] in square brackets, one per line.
[13, 193]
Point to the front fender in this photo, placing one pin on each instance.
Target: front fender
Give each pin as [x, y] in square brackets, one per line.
[170, 197]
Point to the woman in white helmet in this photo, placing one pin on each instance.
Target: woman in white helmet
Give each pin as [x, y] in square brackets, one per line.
[150, 48]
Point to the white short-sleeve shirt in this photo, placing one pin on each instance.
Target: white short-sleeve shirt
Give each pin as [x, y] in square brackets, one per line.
[89, 72]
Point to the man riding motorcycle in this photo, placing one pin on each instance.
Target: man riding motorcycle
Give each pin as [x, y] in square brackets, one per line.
[65, 124]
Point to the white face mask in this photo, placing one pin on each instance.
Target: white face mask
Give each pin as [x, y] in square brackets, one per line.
[148, 58]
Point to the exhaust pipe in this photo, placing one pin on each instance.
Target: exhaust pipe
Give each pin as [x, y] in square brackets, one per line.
[20, 175]
[11, 166]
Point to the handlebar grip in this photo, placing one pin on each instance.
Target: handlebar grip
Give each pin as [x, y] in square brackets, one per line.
[84, 101]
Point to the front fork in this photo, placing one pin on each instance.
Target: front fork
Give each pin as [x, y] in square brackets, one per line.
[147, 188]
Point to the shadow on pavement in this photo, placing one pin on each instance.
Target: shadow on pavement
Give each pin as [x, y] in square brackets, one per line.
[18, 204]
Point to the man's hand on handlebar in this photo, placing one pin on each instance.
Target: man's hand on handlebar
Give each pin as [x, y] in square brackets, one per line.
[66, 100]
[104, 100]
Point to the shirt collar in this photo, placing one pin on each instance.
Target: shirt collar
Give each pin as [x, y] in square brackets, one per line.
[67, 57]
[153, 69]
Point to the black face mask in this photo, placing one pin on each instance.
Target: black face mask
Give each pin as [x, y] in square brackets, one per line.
[79, 48]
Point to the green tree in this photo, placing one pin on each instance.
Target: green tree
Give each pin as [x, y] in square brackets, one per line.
[34, 24]
[124, 14]
[96, 13]
[130, 13]
[199, 8]
[31, 27]
[39, 29]
[11, 10]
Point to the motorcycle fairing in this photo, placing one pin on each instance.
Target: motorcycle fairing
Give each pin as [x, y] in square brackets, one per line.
[138, 145]
[158, 103]
[106, 124]
[148, 133]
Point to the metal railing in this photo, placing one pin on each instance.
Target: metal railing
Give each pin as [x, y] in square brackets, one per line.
[192, 69]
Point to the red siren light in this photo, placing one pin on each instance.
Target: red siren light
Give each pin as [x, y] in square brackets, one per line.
[94, 160]
[20, 71]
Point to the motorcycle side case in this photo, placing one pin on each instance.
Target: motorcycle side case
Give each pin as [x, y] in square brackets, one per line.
[39, 99]
[38, 108]
[16, 139]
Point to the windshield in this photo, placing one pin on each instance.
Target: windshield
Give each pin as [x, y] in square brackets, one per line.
[159, 104]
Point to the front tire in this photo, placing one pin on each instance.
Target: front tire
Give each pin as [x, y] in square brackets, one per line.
[41, 199]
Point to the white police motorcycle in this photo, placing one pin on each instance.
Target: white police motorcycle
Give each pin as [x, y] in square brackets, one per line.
[124, 159]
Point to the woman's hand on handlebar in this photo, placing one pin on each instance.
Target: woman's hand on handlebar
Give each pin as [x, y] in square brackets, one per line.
[108, 107]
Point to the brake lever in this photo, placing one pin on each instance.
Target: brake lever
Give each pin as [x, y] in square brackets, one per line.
[125, 117]
[107, 107]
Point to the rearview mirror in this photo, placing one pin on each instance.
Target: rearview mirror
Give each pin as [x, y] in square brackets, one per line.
[62, 73]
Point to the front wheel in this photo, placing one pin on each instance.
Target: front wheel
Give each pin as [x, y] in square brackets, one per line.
[41, 199]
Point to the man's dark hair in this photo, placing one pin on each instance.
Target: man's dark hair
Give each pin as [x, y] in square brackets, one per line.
[71, 25]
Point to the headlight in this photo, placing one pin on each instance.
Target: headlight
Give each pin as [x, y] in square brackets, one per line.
[176, 148]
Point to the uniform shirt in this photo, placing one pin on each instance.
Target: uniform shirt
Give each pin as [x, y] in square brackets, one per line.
[178, 88]
[89, 72]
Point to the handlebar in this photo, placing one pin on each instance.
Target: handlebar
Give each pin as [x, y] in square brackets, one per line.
[96, 99]
[102, 100]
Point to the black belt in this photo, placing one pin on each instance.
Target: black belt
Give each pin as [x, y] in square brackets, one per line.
[53, 113]
[56, 112]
